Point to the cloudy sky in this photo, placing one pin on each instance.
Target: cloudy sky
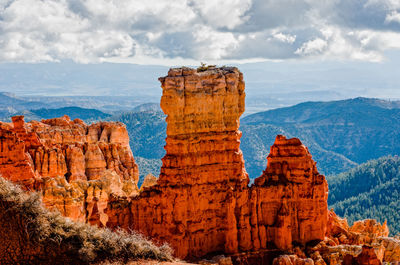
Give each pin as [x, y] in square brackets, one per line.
[188, 31]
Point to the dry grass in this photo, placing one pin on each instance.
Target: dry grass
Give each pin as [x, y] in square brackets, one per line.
[204, 67]
[88, 243]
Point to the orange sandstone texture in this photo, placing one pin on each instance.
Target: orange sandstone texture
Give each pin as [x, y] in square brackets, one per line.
[202, 204]
[77, 167]
[203, 182]
[290, 196]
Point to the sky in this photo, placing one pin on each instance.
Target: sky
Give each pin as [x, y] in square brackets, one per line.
[187, 31]
[355, 39]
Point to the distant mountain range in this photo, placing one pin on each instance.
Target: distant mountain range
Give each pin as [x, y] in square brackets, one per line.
[339, 134]
[371, 190]
[269, 85]
[11, 104]
[88, 115]
[83, 107]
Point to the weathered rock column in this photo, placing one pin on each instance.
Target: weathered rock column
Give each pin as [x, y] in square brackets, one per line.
[194, 206]
[203, 137]
[290, 197]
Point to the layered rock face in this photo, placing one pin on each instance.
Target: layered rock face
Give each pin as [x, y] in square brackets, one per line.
[75, 166]
[290, 197]
[365, 242]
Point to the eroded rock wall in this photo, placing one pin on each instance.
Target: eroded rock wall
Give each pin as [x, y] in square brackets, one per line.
[77, 167]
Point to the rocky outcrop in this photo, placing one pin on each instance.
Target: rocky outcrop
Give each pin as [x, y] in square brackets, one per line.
[365, 242]
[201, 202]
[15, 163]
[361, 232]
[290, 197]
[148, 181]
[77, 167]
[368, 256]
[292, 260]
[194, 204]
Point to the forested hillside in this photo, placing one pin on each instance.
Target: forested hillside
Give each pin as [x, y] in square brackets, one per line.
[339, 134]
[88, 115]
[371, 190]
[147, 132]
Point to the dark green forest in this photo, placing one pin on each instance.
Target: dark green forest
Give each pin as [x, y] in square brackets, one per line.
[371, 190]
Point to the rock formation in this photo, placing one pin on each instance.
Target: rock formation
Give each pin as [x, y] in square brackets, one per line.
[351, 245]
[201, 204]
[203, 181]
[148, 181]
[290, 196]
[75, 166]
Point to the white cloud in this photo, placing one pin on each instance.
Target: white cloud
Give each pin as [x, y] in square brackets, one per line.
[379, 41]
[212, 45]
[285, 37]
[312, 47]
[394, 16]
[222, 13]
[386, 4]
[195, 30]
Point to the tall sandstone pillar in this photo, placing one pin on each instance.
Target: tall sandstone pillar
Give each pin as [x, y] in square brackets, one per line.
[193, 206]
[203, 137]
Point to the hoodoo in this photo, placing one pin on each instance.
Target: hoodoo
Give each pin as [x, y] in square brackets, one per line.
[290, 197]
[202, 202]
[203, 182]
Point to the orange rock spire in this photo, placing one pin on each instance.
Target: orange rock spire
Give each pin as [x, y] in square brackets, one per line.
[193, 205]
[203, 137]
[291, 196]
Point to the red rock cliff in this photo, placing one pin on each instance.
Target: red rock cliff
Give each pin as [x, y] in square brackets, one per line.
[75, 166]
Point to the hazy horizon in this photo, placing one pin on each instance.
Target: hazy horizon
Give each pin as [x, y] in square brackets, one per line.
[268, 84]
[289, 51]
